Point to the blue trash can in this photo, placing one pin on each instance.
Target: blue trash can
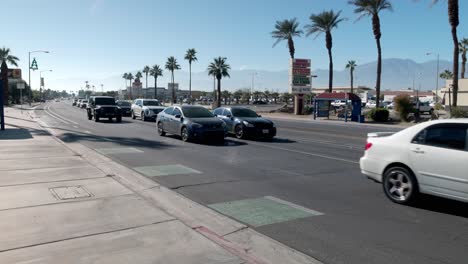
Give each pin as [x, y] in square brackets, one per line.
[362, 119]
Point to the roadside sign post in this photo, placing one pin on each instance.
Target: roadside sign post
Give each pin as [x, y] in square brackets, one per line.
[2, 116]
[20, 86]
[300, 82]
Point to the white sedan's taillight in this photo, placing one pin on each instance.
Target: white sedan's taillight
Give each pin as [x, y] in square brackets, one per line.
[368, 145]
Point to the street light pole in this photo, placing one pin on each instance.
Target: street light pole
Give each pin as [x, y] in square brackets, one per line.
[29, 68]
[437, 73]
[253, 83]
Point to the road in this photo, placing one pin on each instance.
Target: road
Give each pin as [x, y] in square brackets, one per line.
[303, 189]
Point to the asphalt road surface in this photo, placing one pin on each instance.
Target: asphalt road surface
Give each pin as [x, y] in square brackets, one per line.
[303, 189]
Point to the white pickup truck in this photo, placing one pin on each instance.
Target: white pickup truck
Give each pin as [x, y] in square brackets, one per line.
[423, 107]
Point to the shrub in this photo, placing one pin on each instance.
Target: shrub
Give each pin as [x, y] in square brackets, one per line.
[458, 112]
[403, 106]
[438, 106]
[378, 114]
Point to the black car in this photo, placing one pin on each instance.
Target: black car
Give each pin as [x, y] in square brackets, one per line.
[103, 107]
[243, 122]
[190, 122]
[259, 102]
[125, 106]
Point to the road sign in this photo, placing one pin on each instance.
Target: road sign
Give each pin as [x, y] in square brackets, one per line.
[34, 65]
[14, 73]
[20, 86]
[300, 80]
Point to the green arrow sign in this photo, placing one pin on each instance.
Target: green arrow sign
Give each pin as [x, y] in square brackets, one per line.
[34, 65]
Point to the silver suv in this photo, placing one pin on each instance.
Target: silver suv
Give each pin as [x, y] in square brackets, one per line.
[146, 109]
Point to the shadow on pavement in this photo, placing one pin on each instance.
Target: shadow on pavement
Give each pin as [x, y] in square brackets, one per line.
[15, 133]
[442, 205]
[227, 142]
[129, 142]
[22, 119]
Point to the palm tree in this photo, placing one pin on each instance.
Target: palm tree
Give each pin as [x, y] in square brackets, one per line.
[156, 71]
[130, 78]
[275, 96]
[372, 8]
[286, 97]
[267, 95]
[446, 75]
[219, 69]
[146, 71]
[226, 95]
[256, 95]
[237, 95]
[191, 56]
[172, 65]
[463, 46]
[125, 76]
[454, 21]
[5, 56]
[286, 30]
[138, 75]
[324, 23]
[351, 66]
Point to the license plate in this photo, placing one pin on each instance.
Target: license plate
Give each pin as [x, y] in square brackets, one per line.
[266, 131]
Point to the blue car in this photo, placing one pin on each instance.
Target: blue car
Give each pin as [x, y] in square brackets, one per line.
[191, 122]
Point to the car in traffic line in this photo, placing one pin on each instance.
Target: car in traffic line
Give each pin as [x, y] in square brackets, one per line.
[125, 106]
[146, 109]
[84, 103]
[244, 122]
[103, 107]
[430, 158]
[191, 122]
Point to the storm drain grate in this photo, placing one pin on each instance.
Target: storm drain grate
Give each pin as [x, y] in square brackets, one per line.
[70, 192]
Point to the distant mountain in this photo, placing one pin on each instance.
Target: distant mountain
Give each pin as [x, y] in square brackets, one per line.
[396, 74]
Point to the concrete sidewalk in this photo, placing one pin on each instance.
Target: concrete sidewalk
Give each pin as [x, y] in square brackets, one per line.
[66, 203]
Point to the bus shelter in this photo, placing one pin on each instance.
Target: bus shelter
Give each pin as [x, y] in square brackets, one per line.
[322, 105]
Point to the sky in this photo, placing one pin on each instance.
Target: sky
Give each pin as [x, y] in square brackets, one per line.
[97, 39]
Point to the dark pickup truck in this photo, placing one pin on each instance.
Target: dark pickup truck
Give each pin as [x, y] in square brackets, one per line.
[103, 107]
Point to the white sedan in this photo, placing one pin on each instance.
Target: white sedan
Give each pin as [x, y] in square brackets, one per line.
[430, 158]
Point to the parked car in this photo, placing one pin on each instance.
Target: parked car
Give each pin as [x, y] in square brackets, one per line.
[191, 122]
[125, 106]
[84, 103]
[371, 104]
[424, 107]
[74, 102]
[243, 122]
[146, 109]
[338, 103]
[427, 158]
[259, 102]
[103, 107]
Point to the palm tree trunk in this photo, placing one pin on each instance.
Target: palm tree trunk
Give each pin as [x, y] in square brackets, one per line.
[352, 80]
[463, 69]
[291, 47]
[173, 88]
[190, 83]
[218, 96]
[330, 74]
[146, 80]
[455, 65]
[155, 87]
[379, 73]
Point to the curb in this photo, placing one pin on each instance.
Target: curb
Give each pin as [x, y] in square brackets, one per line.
[233, 236]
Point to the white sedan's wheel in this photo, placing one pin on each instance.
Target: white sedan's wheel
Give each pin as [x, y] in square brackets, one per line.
[400, 185]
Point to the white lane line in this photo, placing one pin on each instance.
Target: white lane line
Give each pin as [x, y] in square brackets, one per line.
[87, 132]
[64, 118]
[296, 206]
[305, 153]
[75, 126]
[46, 109]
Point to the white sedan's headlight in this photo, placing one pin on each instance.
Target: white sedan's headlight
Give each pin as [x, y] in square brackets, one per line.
[247, 124]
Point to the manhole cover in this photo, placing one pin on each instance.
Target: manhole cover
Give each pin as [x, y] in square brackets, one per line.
[70, 192]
